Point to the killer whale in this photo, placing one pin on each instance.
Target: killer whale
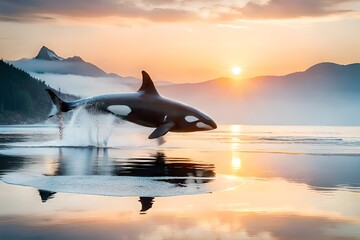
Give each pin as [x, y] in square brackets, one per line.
[146, 107]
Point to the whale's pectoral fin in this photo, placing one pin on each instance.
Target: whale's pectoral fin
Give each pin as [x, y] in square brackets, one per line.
[161, 130]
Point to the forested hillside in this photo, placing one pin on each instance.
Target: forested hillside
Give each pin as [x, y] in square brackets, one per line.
[23, 99]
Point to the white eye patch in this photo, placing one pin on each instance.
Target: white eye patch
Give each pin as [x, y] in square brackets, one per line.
[203, 125]
[121, 110]
[191, 119]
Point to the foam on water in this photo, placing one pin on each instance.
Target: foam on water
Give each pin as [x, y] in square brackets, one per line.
[123, 186]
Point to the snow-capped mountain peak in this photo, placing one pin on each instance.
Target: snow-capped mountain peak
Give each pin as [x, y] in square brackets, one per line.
[47, 61]
[48, 54]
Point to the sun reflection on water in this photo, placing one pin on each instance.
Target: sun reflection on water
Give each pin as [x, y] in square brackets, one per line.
[235, 129]
[236, 163]
[235, 146]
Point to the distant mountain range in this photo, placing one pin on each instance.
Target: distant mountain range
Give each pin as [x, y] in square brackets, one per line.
[74, 75]
[324, 94]
[47, 61]
[22, 98]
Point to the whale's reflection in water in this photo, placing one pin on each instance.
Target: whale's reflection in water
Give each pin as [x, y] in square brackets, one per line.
[78, 170]
[94, 161]
[46, 195]
[146, 202]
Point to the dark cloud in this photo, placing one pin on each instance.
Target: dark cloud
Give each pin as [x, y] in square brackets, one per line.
[167, 11]
[34, 10]
[278, 9]
[24, 8]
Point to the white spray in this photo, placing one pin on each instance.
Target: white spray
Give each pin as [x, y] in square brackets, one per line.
[87, 129]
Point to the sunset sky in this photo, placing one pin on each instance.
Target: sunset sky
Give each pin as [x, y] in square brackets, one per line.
[185, 40]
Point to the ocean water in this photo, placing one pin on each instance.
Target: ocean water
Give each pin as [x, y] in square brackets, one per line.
[236, 182]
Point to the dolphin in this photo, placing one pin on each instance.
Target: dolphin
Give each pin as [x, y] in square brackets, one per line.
[146, 107]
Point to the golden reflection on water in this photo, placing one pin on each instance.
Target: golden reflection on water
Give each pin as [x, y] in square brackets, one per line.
[235, 129]
[51, 164]
[235, 147]
[278, 196]
[236, 163]
[235, 143]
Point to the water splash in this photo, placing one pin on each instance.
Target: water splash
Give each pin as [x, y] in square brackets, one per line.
[87, 129]
[61, 124]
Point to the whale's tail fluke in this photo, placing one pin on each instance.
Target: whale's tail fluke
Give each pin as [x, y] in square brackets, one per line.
[60, 105]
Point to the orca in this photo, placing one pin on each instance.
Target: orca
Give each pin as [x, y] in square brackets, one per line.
[146, 107]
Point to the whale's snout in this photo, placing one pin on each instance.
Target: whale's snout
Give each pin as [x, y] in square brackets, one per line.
[206, 122]
[207, 125]
[213, 124]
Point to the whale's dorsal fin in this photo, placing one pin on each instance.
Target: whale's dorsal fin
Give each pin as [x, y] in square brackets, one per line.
[147, 86]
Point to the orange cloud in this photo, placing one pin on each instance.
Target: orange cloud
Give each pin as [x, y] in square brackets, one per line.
[188, 225]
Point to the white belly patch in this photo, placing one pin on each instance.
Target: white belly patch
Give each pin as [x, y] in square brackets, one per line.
[120, 110]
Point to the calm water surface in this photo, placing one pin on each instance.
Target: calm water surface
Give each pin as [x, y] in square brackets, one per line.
[237, 182]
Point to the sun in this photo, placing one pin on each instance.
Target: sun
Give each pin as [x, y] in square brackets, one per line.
[236, 70]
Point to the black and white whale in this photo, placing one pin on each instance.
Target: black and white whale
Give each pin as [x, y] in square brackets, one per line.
[146, 107]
